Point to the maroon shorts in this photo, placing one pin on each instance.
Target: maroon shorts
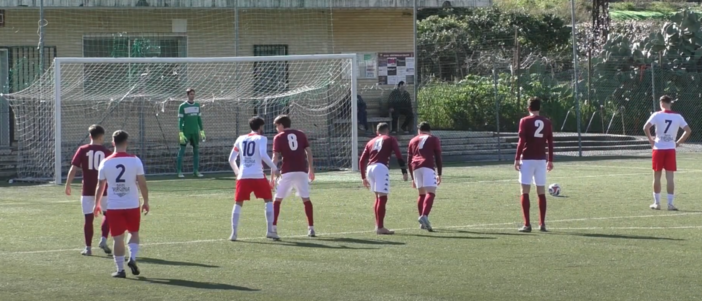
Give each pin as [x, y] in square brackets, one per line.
[121, 220]
[260, 188]
[664, 159]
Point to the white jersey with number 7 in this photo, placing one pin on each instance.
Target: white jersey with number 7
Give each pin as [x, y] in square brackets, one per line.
[667, 124]
[252, 150]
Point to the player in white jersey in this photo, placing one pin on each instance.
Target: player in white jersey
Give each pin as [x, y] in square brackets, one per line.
[122, 175]
[252, 150]
[667, 124]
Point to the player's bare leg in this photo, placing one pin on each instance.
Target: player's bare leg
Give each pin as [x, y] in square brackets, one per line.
[420, 204]
[429, 193]
[105, 230]
[118, 249]
[133, 252]
[670, 183]
[656, 190]
[310, 217]
[236, 213]
[541, 191]
[88, 234]
[525, 208]
[381, 200]
[269, 220]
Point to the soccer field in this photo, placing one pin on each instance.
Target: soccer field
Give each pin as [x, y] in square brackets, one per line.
[604, 242]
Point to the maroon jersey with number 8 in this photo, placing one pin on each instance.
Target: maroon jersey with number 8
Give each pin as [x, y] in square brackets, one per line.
[88, 158]
[535, 133]
[291, 144]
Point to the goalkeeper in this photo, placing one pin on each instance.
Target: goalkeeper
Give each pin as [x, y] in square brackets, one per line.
[190, 131]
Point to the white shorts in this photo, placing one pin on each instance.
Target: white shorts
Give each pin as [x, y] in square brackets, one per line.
[88, 202]
[533, 171]
[298, 180]
[424, 177]
[379, 178]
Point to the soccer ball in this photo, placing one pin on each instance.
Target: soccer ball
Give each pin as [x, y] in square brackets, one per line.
[554, 189]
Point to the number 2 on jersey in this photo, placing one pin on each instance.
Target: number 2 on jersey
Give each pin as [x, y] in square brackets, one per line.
[94, 159]
[121, 173]
[292, 142]
[539, 129]
[249, 148]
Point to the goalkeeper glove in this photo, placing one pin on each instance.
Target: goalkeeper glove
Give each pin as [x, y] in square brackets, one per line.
[182, 137]
[202, 136]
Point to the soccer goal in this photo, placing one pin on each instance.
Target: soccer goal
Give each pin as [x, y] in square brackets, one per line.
[142, 95]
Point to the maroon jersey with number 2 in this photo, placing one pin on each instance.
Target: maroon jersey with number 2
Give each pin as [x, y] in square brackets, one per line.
[88, 158]
[534, 133]
[291, 144]
[423, 151]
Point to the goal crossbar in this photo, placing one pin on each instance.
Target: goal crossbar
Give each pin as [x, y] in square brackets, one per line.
[58, 62]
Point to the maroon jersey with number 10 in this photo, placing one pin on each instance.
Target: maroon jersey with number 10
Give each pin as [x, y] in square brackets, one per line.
[88, 158]
[534, 133]
[291, 144]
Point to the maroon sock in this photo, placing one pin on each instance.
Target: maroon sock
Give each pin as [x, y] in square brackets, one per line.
[381, 210]
[308, 212]
[276, 211]
[88, 229]
[428, 202]
[105, 226]
[375, 210]
[525, 208]
[420, 203]
[542, 209]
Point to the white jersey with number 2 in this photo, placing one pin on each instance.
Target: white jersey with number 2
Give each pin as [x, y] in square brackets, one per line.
[121, 171]
[667, 124]
[252, 152]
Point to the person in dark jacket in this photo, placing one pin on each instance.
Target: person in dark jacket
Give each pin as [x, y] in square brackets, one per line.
[362, 114]
[400, 103]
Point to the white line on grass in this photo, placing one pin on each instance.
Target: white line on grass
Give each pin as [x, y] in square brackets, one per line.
[626, 167]
[605, 228]
[474, 226]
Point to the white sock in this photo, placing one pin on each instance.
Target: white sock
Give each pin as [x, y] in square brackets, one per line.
[310, 227]
[119, 262]
[670, 199]
[103, 240]
[236, 212]
[133, 251]
[656, 198]
[269, 216]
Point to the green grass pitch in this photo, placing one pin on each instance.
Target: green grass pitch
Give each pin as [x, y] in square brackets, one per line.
[605, 243]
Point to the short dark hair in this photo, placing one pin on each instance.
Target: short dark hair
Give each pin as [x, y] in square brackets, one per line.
[120, 137]
[382, 127]
[96, 131]
[424, 126]
[256, 123]
[283, 120]
[666, 99]
[189, 90]
[401, 83]
[534, 104]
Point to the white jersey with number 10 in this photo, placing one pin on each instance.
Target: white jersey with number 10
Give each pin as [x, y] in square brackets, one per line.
[252, 152]
[667, 124]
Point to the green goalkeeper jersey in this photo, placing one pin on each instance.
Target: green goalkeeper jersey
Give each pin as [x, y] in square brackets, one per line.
[189, 121]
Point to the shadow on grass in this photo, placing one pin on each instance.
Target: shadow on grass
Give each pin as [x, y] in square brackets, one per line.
[446, 237]
[621, 236]
[359, 241]
[480, 232]
[300, 244]
[195, 284]
[173, 263]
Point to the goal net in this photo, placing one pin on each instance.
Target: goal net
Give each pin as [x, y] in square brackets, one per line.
[142, 96]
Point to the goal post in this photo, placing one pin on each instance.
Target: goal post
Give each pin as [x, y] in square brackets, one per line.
[142, 95]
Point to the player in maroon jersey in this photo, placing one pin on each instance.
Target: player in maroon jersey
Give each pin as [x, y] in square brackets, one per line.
[297, 171]
[377, 177]
[534, 133]
[423, 150]
[87, 158]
